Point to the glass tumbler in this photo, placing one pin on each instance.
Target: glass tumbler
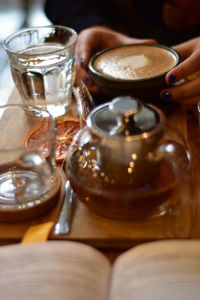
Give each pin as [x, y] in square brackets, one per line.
[42, 66]
[29, 182]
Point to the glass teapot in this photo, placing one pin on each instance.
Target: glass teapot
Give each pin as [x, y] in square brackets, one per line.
[126, 163]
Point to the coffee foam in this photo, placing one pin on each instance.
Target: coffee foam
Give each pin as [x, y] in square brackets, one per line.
[135, 62]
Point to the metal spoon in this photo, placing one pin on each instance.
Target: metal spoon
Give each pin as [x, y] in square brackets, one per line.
[63, 225]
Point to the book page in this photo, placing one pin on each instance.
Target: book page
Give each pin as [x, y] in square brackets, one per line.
[53, 270]
[167, 270]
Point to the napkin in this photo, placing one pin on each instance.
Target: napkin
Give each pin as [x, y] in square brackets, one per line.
[37, 233]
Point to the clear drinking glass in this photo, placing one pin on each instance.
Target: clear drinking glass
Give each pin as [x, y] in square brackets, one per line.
[84, 101]
[42, 66]
[29, 182]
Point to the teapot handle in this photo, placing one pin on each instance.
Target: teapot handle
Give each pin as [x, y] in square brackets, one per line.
[178, 157]
[180, 161]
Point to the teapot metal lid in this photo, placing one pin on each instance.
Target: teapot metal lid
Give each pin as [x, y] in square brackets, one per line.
[125, 117]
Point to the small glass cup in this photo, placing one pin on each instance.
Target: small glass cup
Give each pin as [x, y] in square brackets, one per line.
[42, 66]
[84, 101]
[29, 182]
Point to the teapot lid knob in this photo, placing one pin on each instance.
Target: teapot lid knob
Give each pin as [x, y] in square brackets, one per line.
[125, 106]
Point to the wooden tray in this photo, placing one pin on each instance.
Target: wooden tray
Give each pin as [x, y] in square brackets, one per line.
[106, 233]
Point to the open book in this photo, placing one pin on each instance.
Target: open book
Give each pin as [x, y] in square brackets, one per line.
[73, 271]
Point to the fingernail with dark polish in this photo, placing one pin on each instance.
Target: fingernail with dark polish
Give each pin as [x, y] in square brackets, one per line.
[166, 96]
[86, 80]
[172, 79]
[81, 62]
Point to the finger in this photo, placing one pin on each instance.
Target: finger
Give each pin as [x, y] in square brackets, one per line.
[185, 69]
[187, 48]
[141, 41]
[83, 54]
[127, 40]
[183, 49]
[86, 46]
[184, 101]
[189, 89]
[149, 41]
[188, 101]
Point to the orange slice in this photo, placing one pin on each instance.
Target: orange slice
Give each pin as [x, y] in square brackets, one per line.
[67, 127]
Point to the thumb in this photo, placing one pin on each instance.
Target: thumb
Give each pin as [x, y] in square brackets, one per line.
[83, 54]
[86, 46]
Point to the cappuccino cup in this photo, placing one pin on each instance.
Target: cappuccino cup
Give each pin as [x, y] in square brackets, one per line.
[137, 69]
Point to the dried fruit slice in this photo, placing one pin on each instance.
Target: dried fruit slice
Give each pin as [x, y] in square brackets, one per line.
[67, 127]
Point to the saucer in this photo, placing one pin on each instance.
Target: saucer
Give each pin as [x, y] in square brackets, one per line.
[17, 212]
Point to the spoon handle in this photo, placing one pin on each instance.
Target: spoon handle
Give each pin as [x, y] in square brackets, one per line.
[63, 225]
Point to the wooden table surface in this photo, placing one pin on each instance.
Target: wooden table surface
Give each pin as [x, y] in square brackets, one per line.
[111, 234]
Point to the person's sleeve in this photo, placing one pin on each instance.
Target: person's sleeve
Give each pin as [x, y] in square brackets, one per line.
[80, 14]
